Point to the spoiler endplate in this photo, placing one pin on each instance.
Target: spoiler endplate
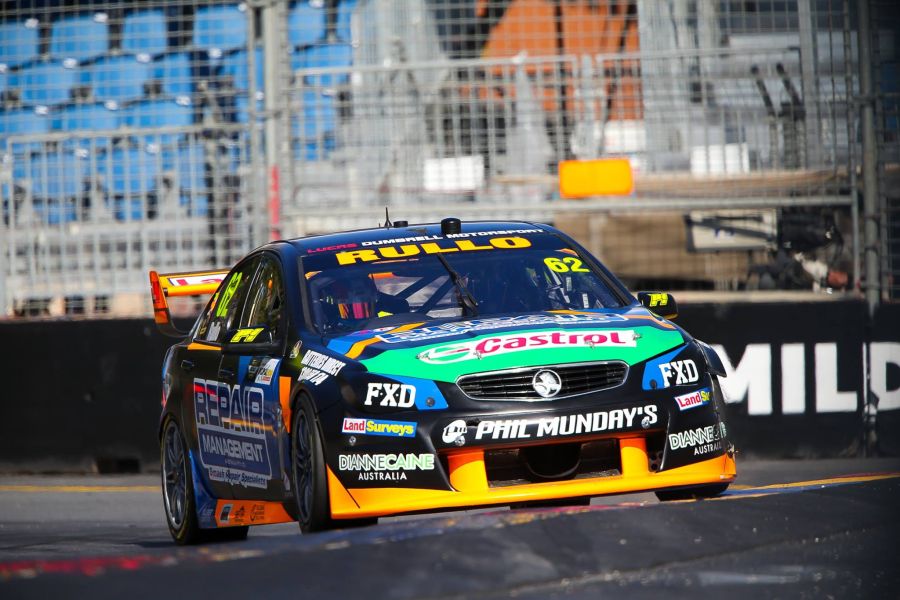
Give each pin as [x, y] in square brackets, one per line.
[198, 283]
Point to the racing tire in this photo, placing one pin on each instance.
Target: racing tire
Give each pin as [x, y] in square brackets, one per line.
[178, 487]
[308, 474]
[178, 495]
[696, 493]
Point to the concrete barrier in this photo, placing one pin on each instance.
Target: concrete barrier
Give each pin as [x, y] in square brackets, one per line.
[795, 374]
[884, 356]
[80, 395]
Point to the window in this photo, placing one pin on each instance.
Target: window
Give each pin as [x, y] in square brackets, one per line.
[406, 282]
[225, 307]
[265, 305]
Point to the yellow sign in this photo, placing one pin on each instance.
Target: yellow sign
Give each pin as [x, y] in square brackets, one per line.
[659, 299]
[598, 177]
[248, 334]
[222, 310]
[564, 265]
[349, 257]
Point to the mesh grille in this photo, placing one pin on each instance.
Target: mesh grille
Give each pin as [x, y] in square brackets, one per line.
[516, 384]
[510, 466]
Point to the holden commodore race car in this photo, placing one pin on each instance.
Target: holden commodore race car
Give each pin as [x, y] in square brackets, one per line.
[335, 379]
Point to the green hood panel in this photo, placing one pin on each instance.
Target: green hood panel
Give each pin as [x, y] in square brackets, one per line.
[448, 360]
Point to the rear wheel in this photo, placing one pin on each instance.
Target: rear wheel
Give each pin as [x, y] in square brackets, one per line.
[178, 489]
[178, 494]
[696, 493]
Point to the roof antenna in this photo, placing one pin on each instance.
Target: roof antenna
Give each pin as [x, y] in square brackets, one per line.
[387, 219]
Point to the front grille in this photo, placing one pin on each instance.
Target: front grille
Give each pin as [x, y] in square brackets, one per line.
[515, 384]
[520, 466]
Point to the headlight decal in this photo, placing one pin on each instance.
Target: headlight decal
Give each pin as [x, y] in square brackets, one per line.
[409, 391]
[660, 372]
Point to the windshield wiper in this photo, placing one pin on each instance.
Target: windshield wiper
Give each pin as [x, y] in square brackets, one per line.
[465, 297]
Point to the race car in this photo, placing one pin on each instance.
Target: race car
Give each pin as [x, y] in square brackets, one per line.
[335, 379]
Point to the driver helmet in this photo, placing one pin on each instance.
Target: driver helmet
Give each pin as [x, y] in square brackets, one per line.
[348, 300]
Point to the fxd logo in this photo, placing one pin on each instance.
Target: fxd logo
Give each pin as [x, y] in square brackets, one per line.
[684, 371]
[401, 395]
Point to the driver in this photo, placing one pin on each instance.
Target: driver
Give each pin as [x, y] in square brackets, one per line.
[349, 300]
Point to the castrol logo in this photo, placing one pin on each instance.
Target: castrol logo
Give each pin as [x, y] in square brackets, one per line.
[503, 344]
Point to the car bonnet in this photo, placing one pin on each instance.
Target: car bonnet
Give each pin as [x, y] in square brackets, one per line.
[446, 350]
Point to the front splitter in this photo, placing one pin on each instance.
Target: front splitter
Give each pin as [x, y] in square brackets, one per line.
[468, 476]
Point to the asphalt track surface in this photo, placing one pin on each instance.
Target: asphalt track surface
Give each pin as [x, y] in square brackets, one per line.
[787, 529]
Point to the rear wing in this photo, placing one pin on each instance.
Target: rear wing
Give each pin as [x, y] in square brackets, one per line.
[164, 285]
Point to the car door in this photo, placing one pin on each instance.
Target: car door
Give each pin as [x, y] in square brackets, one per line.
[251, 365]
[210, 406]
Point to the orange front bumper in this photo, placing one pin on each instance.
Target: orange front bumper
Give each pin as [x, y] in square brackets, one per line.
[469, 477]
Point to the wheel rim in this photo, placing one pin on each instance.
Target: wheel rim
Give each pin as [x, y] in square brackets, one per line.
[303, 467]
[174, 476]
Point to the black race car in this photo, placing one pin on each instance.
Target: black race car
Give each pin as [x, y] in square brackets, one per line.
[338, 378]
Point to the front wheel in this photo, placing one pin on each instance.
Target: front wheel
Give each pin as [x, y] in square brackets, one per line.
[308, 470]
[695, 493]
[308, 474]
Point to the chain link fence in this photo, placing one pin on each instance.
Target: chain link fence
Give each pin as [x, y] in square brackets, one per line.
[886, 67]
[180, 134]
[740, 155]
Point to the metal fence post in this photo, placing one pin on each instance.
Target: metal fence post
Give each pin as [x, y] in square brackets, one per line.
[259, 225]
[4, 301]
[277, 119]
[851, 143]
[871, 241]
[809, 65]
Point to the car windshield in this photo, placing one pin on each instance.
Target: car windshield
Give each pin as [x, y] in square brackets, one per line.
[485, 273]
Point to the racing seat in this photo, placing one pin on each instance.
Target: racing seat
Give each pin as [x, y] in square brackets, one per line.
[510, 291]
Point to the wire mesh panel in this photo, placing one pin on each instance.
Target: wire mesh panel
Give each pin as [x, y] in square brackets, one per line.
[491, 133]
[424, 132]
[90, 214]
[886, 67]
[719, 106]
[218, 123]
[126, 145]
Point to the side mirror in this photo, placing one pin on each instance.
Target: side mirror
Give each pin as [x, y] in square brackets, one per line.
[661, 303]
[250, 340]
